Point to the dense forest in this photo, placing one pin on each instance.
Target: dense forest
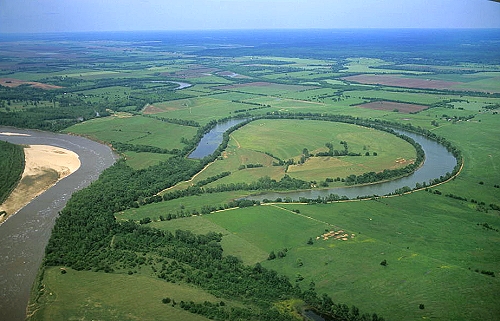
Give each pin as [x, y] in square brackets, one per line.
[11, 168]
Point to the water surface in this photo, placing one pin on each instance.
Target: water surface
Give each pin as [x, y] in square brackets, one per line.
[23, 236]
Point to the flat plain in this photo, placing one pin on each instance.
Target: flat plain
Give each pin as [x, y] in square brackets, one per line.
[439, 245]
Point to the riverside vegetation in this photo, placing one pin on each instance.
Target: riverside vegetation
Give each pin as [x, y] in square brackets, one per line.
[179, 235]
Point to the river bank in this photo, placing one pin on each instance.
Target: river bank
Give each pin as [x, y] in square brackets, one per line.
[44, 166]
[24, 236]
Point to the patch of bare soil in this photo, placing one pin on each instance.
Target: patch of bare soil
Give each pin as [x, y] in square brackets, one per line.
[11, 82]
[150, 109]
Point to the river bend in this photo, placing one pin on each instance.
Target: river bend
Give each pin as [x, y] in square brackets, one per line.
[24, 236]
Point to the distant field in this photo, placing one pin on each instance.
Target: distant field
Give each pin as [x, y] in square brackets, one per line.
[11, 82]
[401, 81]
[392, 106]
[265, 88]
[401, 95]
[201, 110]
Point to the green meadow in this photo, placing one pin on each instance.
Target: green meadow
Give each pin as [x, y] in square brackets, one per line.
[433, 246]
[135, 130]
[67, 297]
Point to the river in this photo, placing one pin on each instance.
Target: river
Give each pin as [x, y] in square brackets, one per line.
[438, 162]
[211, 140]
[23, 236]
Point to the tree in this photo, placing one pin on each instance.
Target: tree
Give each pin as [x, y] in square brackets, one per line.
[271, 256]
[383, 263]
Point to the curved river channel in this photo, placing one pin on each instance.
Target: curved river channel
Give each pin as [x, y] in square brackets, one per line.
[438, 162]
[23, 236]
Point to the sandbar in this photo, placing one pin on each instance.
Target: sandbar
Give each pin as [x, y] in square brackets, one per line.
[44, 167]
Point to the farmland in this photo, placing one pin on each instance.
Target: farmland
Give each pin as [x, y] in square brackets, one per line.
[162, 225]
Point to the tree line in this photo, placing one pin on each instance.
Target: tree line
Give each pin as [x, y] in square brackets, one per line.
[11, 168]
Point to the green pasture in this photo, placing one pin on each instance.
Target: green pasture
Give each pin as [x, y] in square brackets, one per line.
[404, 96]
[144, 159]
[270, 89]
[202, 109]
[232, 243]
[183, 204]
[478, 140]
[282, 139]
[286, 139]
[85, 295]
[490, 84]
[368, 65]
[429, 242]
[138, 130]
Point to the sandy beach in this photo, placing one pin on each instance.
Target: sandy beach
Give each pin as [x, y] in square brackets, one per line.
[45, 166]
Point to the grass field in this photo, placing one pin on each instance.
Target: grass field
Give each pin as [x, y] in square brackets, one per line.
[139, 297]
[135, 130]
[432, 250]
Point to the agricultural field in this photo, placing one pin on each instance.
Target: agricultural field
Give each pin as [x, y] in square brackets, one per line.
[428, 254]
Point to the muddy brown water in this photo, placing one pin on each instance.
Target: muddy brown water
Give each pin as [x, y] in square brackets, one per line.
[23, 236]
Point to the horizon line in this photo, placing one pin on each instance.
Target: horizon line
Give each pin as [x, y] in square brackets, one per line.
[246, 29]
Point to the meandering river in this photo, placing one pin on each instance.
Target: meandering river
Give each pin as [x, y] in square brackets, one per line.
[438, 162]
[23, 236]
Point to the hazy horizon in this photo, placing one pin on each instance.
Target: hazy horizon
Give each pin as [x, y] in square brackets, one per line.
[55, 16]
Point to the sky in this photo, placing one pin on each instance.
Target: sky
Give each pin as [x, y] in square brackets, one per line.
[38, 16]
